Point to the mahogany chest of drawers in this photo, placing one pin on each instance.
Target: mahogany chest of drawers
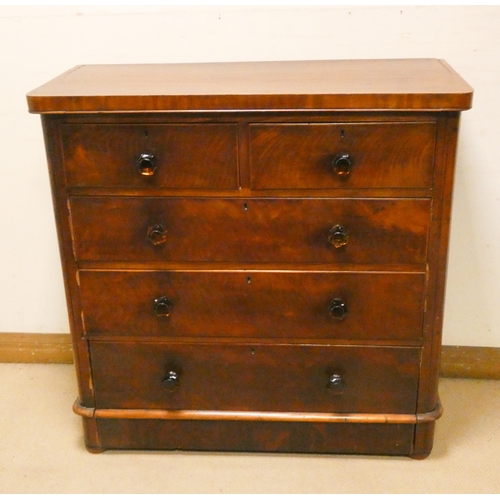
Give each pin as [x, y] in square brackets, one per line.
[254, 253]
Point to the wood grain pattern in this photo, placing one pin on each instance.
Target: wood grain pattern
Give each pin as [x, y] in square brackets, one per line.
[437, 261]
[240, 228]
[300, 156]
[224, 304]
[191, 156]
[250, 230]
[51, 134]
[403, 84]
[273, 437]
[252, 377]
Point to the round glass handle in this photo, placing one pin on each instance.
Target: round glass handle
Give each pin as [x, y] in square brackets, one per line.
[338, 236]
[337, 309]
[171, 381]
[336, 384]
[157, 234]
[342, 164]
[146, 164]
[163, 306]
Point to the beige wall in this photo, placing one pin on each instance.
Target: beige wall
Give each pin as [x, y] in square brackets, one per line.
[38, 43]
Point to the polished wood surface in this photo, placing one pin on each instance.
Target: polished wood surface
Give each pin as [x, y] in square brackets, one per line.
[402, 84]
[250, 230]
[250, 239]
[290, 305]
[253, 377]
[186, 156]
[300, 156]
[334, 418]
[253, 436]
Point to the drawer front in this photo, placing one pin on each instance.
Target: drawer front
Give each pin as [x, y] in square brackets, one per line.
[251, 230]
[300, 156]
[197, 156]
[251, 436]
[255, 378]
[276, 305]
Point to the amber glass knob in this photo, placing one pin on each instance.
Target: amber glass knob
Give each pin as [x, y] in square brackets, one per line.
[342, 164]
[336, 384]
[171, 381]
[337, 309]
[157, 234]
[163, 306]
[146, 164]
[338, 236]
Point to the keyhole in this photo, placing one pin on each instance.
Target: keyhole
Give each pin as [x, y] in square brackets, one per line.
[342, 133]
[146, 134]
[249, 279]
[245, 206]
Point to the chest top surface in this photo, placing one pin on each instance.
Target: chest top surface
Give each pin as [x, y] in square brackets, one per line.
[357, 85]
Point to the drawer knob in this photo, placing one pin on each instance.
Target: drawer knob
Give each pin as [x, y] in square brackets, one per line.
[157, 234]
[342, 164]
[146, 164]
[338, 236]
[163, 306]
[171, 381]
[337, 309]
[336, 384]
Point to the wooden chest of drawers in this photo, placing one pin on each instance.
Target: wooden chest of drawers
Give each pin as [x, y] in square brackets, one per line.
[255, 253]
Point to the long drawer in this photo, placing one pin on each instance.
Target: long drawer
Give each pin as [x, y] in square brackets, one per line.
[343, 155]
[251, 436]
[255, 378]
[274, 305]
[303, 230]
[194, 156]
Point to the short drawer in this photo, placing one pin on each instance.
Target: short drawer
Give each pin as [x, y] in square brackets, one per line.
[345, 155]
[189, 156]
[274, 305]
[255, 377]
[250, 230]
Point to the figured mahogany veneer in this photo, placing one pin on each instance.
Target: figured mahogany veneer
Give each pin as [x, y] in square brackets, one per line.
[270, 378]
[255, 253]
[185, 155]
[291, 305]
[301, 155]
[385, 231]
